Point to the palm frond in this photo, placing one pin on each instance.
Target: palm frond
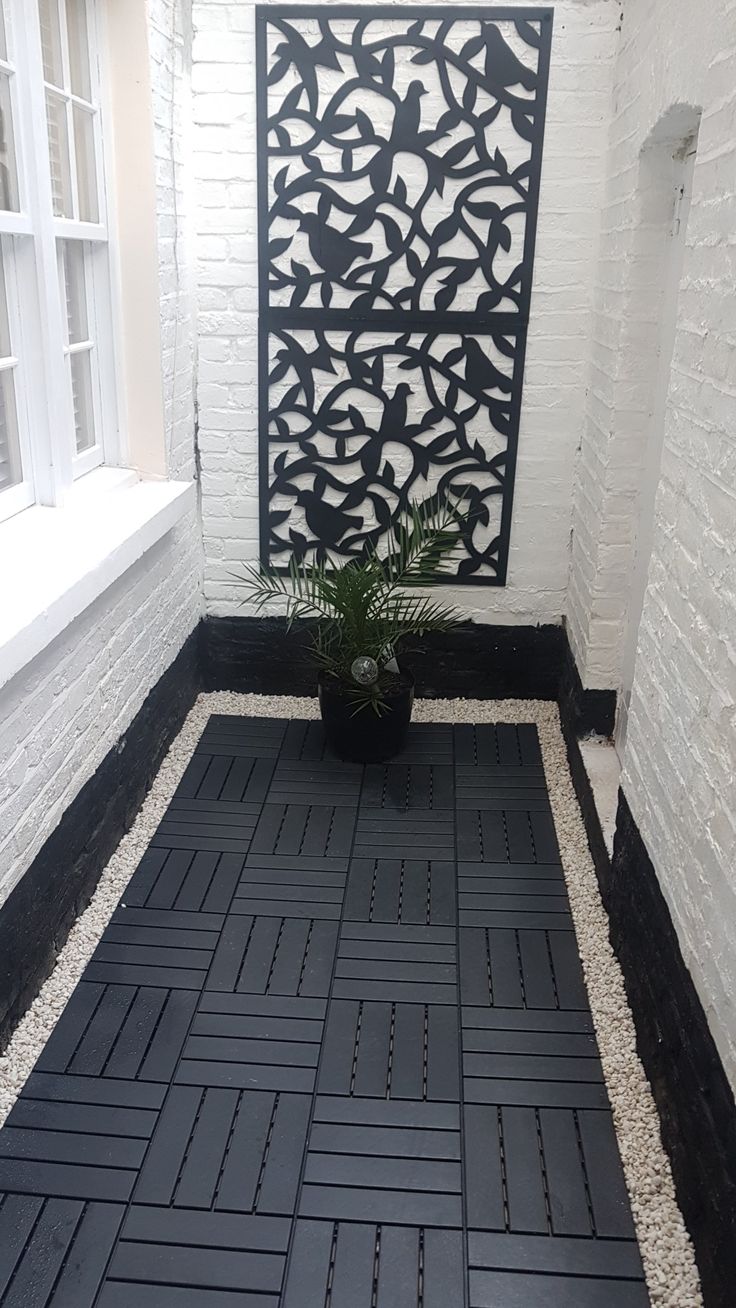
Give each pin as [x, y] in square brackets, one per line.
[363, 608]
[420, 546]
[414, 615]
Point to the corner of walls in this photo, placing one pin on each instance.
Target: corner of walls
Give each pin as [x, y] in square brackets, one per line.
[586, 712]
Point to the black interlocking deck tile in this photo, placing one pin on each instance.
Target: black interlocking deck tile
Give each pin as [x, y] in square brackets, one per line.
[399, 1163]
[133, 1031]
[391, 1050]
[316, 830]
[509, 967]
[506, 835]
[489, 789]
[410, 833]
[502, 746]
[237, 1150]
[159, 1246]
[265, 737]
[185, 881]
[317, 1061]
[396, 963]
[262, 1050]
[428, 744]
[405, 1267]
[410, 892]
[274, 955]
[396, 787]
[54, 1247]
[277, 886]
[305, 782]
[77, 1137]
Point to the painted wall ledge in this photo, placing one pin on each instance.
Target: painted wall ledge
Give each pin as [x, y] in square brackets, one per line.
[58, 561]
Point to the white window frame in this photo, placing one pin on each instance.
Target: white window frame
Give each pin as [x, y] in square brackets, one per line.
[15, 498]
[46, 422]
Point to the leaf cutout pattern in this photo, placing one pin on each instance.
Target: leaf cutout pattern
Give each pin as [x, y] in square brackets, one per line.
[400, 163]
[403, 146]
[371, 423]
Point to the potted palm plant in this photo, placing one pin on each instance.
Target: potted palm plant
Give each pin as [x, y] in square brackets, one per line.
[361, 616]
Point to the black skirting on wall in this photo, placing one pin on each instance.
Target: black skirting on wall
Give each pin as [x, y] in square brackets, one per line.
[694, 1098]
[584, 711]
[475, 660]
[691, 1090]
[38, 914]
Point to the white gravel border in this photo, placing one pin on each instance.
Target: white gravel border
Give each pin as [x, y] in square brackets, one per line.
[667, 1253]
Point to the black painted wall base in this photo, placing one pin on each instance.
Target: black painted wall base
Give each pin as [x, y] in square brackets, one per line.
[475, 660]
[693, 1096]
[584, 711]
[584, 794]
[39, 913]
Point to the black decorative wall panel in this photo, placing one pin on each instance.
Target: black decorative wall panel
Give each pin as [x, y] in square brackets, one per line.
[399, 162]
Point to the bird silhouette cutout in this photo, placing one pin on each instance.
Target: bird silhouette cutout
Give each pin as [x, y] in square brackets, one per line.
[405, 137]
[408, 116]
[480, 371]
[502, 66]
[393, 419]
[326, 521]
[332, 249]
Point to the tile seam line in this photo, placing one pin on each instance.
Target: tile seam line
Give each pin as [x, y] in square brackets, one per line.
[460, 1045]
[129, 1203]
[318, 1069]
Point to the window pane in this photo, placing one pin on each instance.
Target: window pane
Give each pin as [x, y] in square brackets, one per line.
[48, 13]
[75, 291]
[84, 423]
[61, 182]
[76, 26]
[8, 172]
[84, 145]
[6, 348]
[3, 34]
[11, 473]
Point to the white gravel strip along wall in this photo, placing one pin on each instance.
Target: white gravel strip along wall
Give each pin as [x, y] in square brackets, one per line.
[667, 1253]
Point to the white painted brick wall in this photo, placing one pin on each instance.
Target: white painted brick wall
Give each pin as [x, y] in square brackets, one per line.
[170, 41]
[225, 164]
[61, 716]
[680, 757]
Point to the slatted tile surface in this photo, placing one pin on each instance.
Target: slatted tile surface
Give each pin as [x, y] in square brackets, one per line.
[333, 1051]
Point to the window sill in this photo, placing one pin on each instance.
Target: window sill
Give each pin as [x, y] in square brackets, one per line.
[58, 561]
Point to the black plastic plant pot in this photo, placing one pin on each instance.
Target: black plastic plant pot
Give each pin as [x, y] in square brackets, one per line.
[365, 736]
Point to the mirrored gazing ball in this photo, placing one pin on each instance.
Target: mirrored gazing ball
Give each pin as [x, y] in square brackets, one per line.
[364, 670]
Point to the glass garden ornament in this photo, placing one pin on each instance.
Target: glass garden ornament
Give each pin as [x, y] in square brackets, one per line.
[364, 670]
